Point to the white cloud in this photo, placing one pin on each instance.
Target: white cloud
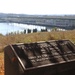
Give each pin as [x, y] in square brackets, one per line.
[38, 6]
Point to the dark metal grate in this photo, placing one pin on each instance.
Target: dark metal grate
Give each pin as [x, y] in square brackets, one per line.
[38, 54]
[42, 58]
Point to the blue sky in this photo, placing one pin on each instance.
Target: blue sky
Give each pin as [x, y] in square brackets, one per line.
[38, 6]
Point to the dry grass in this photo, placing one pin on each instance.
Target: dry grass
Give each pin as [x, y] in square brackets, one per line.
[33, 37]
[2, 63]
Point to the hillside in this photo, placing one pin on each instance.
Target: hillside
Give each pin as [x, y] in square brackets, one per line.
[39, 36]
[32, 37]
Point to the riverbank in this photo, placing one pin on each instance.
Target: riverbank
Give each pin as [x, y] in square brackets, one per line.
[35, 37]
[32, 37]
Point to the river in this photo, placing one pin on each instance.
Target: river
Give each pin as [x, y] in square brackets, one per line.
[15, 27]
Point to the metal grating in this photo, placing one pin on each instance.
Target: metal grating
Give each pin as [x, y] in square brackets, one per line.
[41, 56]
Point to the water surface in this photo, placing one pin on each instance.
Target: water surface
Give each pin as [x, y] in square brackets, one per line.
[15, 27]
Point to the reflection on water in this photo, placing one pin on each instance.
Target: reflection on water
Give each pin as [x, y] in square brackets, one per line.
[14, 27]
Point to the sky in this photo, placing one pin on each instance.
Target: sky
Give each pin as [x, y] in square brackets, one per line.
[44, 7]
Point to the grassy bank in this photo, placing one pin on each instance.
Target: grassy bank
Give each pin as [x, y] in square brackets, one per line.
[34, 37]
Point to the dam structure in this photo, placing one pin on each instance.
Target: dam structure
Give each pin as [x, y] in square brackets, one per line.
[64, 22]
[59, 21]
